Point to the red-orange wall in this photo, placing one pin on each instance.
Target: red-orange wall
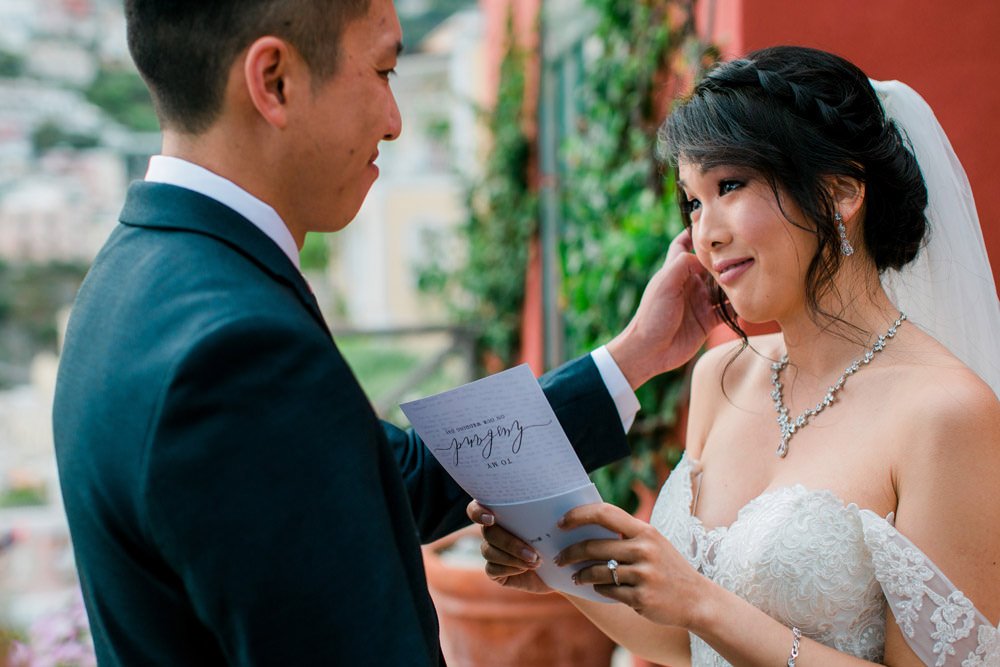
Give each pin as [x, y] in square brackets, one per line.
[949, 52]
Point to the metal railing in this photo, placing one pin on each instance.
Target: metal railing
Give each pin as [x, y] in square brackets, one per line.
[461, 344]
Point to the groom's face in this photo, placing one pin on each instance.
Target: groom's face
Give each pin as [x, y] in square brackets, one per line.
[347, 116]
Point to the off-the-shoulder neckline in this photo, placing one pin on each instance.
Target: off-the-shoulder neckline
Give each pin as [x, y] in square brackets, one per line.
[691, 463]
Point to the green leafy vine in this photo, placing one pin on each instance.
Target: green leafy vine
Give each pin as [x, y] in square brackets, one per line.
[487, 290]
[620, 208]
[619, 212]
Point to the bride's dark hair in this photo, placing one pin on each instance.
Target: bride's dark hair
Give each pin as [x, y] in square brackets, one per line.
[799, 116]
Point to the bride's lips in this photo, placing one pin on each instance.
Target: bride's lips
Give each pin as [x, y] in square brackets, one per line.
[728, 270]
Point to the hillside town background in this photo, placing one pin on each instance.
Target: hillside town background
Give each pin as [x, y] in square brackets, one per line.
[76, 127]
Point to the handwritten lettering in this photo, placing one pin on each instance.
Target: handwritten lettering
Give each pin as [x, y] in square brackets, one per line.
[484, 440]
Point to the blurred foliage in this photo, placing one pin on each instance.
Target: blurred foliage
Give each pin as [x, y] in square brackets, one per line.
[620, 213]
[60, 637]
[620, 207]
[8, 639]
[380, 363]
[315, 253]
[51, 134]
[11, 65]
[31, 296]
[23, 496]
[486, 291]
[123, 95]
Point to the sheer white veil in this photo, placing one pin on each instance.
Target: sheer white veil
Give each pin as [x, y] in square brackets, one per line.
[948, 290]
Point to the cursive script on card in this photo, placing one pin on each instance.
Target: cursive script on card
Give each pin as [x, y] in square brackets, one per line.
[484, 442]
[499, 438]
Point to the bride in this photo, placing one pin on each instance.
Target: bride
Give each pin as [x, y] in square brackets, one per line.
[848, 465]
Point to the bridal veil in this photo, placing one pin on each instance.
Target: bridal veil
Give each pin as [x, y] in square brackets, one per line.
[948, 289]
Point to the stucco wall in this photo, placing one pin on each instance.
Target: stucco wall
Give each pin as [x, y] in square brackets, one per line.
[949, 53]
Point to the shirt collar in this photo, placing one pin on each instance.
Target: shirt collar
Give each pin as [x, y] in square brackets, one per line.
[184, 174]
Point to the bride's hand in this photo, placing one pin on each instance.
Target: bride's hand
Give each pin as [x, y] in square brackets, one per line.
[509, 561]
[654, 579]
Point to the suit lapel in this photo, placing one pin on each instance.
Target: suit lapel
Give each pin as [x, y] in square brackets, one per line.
[162, 206]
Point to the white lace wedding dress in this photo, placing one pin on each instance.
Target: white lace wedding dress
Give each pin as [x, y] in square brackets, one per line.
[809, 560]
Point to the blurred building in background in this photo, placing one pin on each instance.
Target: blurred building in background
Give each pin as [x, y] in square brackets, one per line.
[63, 172]
[420, 193]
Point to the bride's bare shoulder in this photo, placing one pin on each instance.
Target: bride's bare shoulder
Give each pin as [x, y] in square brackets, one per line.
[722, 375]
[735, 363]
[947, 468]
[945, 402]
[932, 377]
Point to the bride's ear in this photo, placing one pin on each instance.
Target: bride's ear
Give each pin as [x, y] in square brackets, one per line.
[848, 197]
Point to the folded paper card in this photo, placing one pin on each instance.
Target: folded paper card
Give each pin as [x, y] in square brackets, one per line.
[500, 440]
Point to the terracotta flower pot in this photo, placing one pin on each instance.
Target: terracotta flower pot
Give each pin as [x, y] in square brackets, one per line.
[486, 625]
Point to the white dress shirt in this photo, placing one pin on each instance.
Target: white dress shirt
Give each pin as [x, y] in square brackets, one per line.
[184, 174]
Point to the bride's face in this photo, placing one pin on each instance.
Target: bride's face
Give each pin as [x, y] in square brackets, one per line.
[748, 245]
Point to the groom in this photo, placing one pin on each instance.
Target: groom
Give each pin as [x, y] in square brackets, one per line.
[232, 497]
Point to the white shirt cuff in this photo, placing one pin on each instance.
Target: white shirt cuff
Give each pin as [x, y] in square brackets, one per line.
[619, 388]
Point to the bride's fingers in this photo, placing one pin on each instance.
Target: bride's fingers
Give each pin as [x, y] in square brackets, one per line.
[599, 574]
[601, 551]
[495, 571]
[629, 590]
[500, 546]
[611, 517]
[480, 514]
[511, 554]
[604, 584]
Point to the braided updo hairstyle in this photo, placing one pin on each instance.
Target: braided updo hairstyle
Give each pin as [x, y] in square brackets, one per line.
[798, 116]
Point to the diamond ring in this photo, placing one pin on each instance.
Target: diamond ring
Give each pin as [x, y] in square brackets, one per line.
[613, 568]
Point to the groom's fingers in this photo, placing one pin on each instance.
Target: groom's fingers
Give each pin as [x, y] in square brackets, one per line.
[681, 244]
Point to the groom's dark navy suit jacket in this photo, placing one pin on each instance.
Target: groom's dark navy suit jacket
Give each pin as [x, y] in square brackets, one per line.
[232, 497]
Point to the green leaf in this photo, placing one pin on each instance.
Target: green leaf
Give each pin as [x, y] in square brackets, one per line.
[619, 210]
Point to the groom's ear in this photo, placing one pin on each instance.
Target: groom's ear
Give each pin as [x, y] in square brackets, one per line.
[848, 196]
[272, 75]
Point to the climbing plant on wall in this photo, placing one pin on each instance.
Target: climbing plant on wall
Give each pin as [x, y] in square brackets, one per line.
[486, 291]
[620, 210]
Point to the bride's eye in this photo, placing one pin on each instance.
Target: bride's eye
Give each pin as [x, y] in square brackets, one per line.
[691, 205]
[728, 185]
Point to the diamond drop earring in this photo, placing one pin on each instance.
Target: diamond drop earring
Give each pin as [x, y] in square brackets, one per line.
[846, 248]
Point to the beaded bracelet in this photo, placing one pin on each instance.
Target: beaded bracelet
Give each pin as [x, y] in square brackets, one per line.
[796, 638]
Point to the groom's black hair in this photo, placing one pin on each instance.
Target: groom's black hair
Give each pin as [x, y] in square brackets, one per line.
[798, 116]
[184, 48]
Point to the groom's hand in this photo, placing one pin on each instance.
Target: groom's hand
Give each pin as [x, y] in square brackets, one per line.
[509, 561]
[674, 316]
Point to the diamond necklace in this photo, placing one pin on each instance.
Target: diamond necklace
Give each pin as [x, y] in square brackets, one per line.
[789, 427]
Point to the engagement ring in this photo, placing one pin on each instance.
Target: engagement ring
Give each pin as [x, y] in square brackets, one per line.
[613, 567]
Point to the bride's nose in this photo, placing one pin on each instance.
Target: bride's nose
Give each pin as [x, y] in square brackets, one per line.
[711, 231]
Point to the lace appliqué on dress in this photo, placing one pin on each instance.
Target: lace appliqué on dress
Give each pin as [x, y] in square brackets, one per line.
[987, 654]
[806, 558]
[940, 624]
